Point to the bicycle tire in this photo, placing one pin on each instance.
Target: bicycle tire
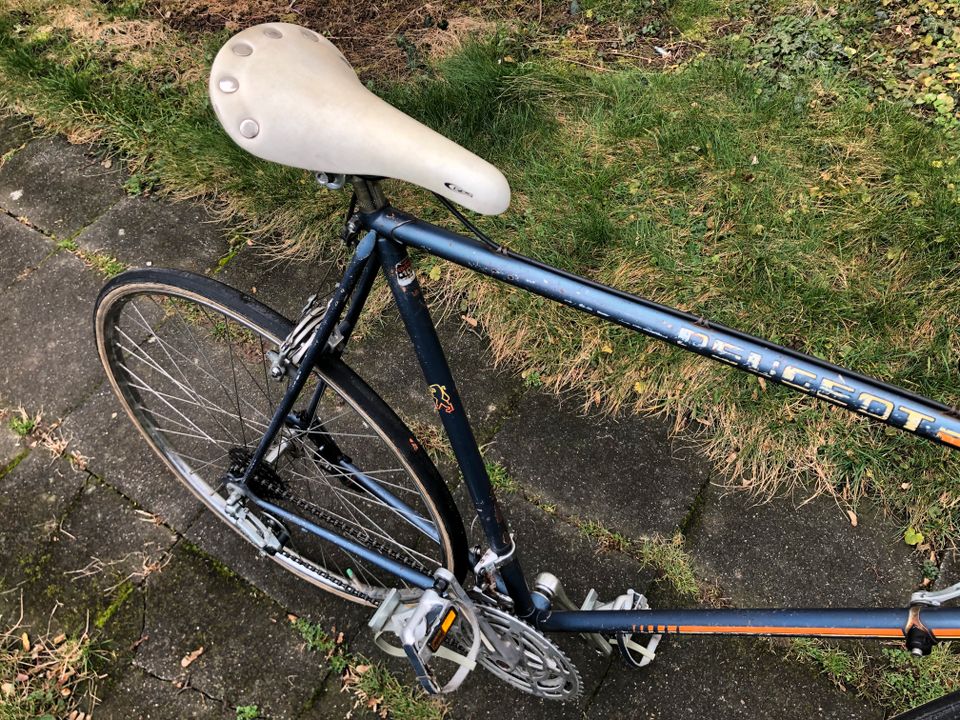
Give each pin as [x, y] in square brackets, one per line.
[161, 371]
[944, 708]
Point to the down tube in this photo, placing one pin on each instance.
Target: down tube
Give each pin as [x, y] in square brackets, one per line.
[804, 373]
[943, 623]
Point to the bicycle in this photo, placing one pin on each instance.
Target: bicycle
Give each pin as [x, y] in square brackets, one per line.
[264, 422]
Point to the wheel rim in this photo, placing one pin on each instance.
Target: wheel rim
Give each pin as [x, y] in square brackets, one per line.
[193, 374]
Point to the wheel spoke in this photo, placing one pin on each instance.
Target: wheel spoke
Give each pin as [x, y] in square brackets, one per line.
[195, 376]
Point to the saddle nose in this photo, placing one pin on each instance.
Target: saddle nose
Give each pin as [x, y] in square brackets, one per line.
[286, 94]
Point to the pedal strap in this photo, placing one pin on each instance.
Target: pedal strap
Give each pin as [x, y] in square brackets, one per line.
[466, 662]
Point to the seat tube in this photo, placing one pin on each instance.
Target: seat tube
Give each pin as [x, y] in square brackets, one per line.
[416, 317]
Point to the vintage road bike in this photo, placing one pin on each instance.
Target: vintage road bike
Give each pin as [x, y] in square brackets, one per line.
[264, 422]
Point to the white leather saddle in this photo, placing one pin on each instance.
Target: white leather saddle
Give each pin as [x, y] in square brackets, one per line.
[286, 94]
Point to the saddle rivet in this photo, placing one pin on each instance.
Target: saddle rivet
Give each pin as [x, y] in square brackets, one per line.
[249, 128]
[241, 49]
[228, 84]
[309, 35]
[273, 33]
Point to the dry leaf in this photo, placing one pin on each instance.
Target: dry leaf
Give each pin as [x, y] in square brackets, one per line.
[472, 322]
[188, 659]
[763, 383]
[853, 517]
[361, 669]
[25, 641]
[905, 486]
[607, 348]
[59, 639]
[292, 618]
[7, 688]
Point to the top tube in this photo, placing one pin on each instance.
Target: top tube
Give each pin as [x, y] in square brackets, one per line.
[855, 392]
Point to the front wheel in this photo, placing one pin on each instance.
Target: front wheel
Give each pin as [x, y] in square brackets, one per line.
[188, 358]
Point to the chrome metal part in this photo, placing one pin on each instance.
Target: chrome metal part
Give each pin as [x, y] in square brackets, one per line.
[423, 627]
[254, 529]
[490, 561]
[331, 181]
[937, 597]
[296, 344]
[523, 657]
[629, 648]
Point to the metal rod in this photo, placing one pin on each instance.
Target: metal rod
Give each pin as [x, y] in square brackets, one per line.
[407, 574]
[364, 248]
[944, 623]
[416, 317]
[804, 373]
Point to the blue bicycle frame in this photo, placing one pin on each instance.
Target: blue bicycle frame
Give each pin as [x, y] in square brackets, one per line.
[389, 233]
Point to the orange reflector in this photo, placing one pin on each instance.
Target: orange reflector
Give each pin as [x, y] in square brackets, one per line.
[448, 621]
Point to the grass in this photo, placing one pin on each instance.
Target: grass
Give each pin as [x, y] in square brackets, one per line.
[786, 170]
[43, 676]
[894, 680]
[814, 215]
[371, 684]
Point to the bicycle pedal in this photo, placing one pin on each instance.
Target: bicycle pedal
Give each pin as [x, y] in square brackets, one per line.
[422, 629]
[623, 641]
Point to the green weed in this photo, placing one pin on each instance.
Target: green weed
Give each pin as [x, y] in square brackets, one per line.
[247, 712]
[894, 680]
[372, 684]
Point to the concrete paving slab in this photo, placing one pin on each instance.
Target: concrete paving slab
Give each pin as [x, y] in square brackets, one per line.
[21, 248]
[100, 430]
[782, 554]
[140, 695]
[82, 570]
[333, 703]
[34, 496]
[733, 679]
[626, 474]
[48, 360]
[141, 231]
[104, 542]
[251, 654]
[57, 186]
[10, 445]
[217, 539]
[15, 131]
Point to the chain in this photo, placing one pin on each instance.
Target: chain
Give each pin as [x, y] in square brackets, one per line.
[276, 488]
[328, 578]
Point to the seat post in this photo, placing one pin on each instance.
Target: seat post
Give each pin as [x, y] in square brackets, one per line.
[370, 197]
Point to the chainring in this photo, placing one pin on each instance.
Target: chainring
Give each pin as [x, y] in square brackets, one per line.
[543, 669]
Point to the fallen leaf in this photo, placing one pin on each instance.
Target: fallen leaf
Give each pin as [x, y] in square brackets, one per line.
[607, 348]
[292, 618]
[905, 486]
[754, 160]
[763, 383]
[7, 688]
[853, 517]
[25, 641]
[188, 659]
[472, 322]
[59, 639]
[361, 669]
